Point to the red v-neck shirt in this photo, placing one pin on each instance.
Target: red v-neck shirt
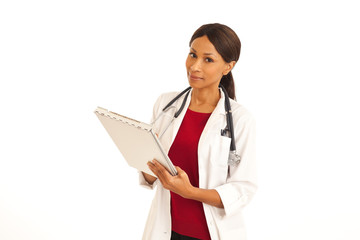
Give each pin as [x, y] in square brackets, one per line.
[187, 216]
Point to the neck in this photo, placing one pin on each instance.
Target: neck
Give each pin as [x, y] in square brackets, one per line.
[205, 96]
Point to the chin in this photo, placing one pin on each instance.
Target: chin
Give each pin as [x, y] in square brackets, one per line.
[195, 84]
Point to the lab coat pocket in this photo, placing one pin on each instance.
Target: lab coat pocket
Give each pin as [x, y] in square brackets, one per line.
[220, 150]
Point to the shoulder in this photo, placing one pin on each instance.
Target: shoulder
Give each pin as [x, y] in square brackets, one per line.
[164, 98]
[240, 114]
[162, 101]
[167, 96]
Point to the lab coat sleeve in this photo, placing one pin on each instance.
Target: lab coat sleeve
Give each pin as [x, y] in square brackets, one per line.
[142, 180]
[241, 183]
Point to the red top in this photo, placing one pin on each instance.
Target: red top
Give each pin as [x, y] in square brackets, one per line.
[187, 216]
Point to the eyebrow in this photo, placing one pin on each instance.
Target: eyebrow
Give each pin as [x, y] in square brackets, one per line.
[204, 53]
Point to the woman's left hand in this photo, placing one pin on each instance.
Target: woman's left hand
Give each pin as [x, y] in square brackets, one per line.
[179, 184]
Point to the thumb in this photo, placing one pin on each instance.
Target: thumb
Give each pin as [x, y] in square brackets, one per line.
[179, 170]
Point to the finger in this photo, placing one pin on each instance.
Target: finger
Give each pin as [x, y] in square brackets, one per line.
[164, 176]
[156, 169]
[161, 168]
[153, 168]
[158, 174]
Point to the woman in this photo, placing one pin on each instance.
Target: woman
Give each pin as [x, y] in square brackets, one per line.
[205, 199]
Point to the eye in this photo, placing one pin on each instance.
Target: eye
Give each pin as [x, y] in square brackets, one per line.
[193, 55]
[209, 60]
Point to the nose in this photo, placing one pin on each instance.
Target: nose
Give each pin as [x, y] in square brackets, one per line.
[196, 66]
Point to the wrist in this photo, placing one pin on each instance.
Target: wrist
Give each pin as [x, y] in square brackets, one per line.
[191, 192]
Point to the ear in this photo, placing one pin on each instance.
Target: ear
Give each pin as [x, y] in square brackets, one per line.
[229, 66]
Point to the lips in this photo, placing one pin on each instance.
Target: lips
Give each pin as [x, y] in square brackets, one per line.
[194, 77]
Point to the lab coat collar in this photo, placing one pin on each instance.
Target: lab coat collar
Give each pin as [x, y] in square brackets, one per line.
[219, 109]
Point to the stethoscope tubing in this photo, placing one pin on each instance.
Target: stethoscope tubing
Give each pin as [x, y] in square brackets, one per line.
[229, 119]
[176, 98]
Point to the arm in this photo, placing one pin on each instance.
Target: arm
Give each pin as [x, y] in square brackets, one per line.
[146, 180]
[150, 179]
[240, 185]
[208, 196]
[241, 182]
[181, 185]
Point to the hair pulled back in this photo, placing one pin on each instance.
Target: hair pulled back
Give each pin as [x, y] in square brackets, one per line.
[227, 44]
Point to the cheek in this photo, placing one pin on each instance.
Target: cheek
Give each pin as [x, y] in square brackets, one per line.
[215, 72]
[187, 63]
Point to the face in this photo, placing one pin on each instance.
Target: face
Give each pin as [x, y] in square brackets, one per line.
[205, 66]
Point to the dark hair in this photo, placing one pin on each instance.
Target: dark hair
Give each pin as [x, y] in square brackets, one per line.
[228, 45]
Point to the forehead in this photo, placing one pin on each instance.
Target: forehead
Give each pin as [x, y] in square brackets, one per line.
[203, 45]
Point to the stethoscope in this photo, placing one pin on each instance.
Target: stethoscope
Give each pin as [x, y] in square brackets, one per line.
[228, 131]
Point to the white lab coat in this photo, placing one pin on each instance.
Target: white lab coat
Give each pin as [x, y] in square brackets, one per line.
[235, 185]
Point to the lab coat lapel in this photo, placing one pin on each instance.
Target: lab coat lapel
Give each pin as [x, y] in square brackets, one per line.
[177, 121]
[214, 121]
[214, 117]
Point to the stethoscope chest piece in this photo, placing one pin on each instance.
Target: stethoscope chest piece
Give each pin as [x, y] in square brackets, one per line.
[234, 158]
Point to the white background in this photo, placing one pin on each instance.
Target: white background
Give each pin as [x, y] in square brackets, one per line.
[61, 176]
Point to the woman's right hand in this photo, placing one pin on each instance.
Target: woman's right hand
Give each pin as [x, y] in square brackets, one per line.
[150, 179]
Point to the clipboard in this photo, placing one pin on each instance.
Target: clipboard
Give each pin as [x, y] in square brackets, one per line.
[136, 141]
